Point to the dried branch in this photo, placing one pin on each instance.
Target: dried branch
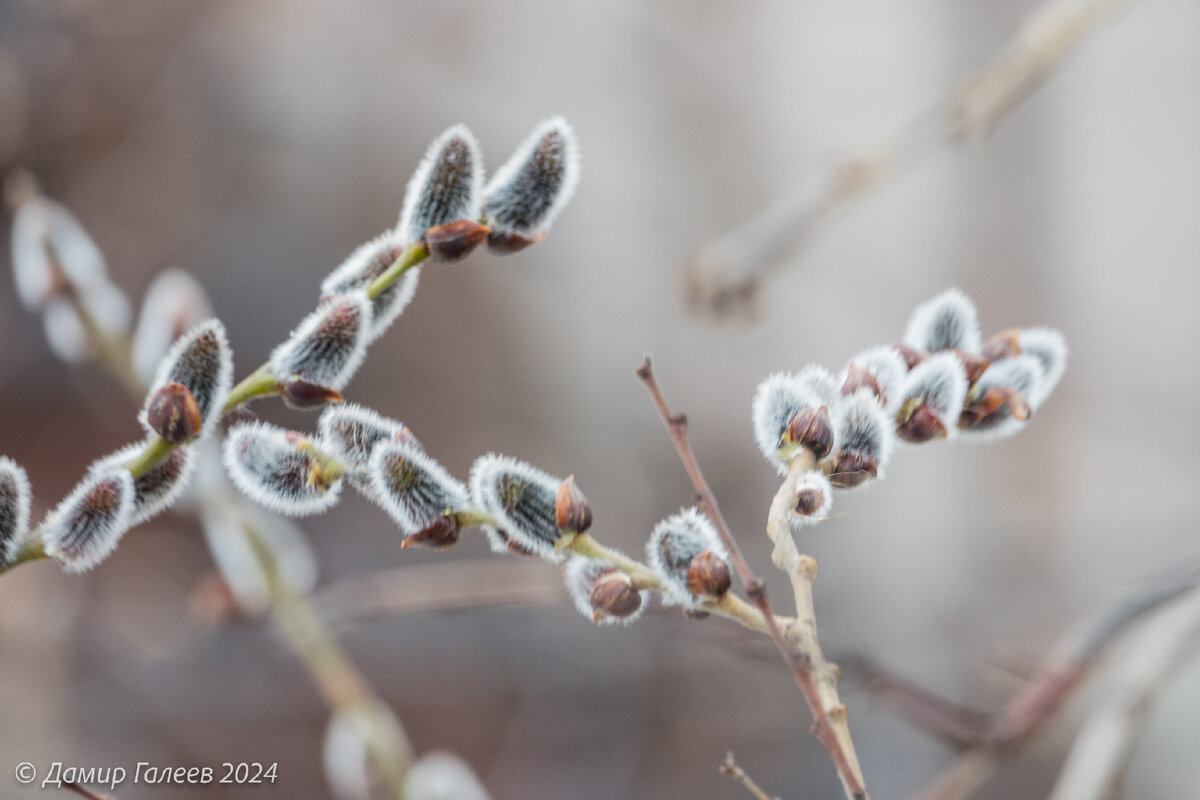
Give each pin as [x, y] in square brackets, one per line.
[1108, 740]
[723, 275]
[1067, 665]
[731, 768]
[801, 651]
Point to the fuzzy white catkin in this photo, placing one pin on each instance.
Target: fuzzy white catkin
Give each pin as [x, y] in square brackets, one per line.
[15, 498]
[537, 182]
[157, 488]
[1023, 373]
[947, 321]
[529, 518]
[202, 361]
[64, 331]
[413, 489]
[886, 366]
[366, 264]
[673, 544]
[778, 399]
[863, 429]
[350, 432]
[940, 384]
[175, 302]
[85, 527]
[47, 238]
[447, 185]
[1050, 349]
[329, 345]
[346, 758]
[267, 466]
[443, 776]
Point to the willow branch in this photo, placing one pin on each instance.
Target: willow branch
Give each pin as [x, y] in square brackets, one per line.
[731, 768]
[84, 791]
[724, 273]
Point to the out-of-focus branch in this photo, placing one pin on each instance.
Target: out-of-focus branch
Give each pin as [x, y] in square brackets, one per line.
[84, 791]
[1067, 665]
[1107, 742]
[797, 643]
[731, 768]
[724, 273]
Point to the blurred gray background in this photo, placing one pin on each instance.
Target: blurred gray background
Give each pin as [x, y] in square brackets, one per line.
[257, 143]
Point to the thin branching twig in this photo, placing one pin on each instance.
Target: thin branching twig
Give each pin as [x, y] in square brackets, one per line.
[731, 768]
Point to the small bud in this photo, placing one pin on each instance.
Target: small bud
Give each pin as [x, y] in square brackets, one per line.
[708, 575]
[412, 488]
[441, 534]
[173, 414]
[673, 548]
[366, 264]
[15, 497]
[779, 400]
[87, 525]
[1050, 349]
[442, 776]
[880, 369]
[157, 488]
[350, 432]
[202, 362]
[446, 186]
[998, 406]
[503, 243]
[601, 592]
[267, 465]
[947, 322]
[571, 508]
[812, 500]
[811, 429]
[1000, 345]
[931, 399]
[529, 191]
[328, 346]
[300, 395]
[522, 499]
[174, 303]
[454, 241]
[865, 438]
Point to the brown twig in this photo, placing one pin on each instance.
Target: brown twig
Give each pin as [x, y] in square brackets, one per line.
[84, 791]
[731, 768]
[1067, 665]
[799, 647]
[725, 272]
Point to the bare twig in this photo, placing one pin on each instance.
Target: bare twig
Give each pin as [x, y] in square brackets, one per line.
[731, 768]
[1106, 743]
[799, 646]
[1062, 671]
[724, 273]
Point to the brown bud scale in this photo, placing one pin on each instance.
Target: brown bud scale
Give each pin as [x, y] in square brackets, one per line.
[708, 575]
[853, 469]
[440, 535]
[613, 595]
[811, 428]
[858, 378]
[1004, 344]
[503, 243]
[174, 414]
[919, 426]
[454, 240]
[571, 508]
[302, 395]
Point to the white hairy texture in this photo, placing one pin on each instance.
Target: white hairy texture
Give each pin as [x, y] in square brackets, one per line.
[820, 381]
[442, 776]
[159, 487]
[329, 345]
[202, 361]
[863, 428]
[812, 481]
[224, 525]
[940, 383]
[15, 497]
[884, 364]
[1050, 349]
[946, 322]
[537, 182]
[88, 523]
[350, 432]
[270, 470]
[580, 575]
[64, 331]
[521, 498]
[673, 544]
[47, 239]
[412, 488]
[1023, 373]
[446, 187]
[174, 303]
[778, 399]
[366, 264]
[346, 758]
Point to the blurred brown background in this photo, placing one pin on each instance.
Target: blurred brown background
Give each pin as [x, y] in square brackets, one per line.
[256, 143]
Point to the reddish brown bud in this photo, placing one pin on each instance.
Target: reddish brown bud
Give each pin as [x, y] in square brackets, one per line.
[442, 534]
[503, 243]
[994, 401]
[858, 378]
[571, 508]
[853, 469]
[1004, 344]
[919, 425]
[911, 355]
[613, 595]
[174, 414]
[302, 395]
[974, 365]
[454, 240]
[808, 502]
[811, 428]
[708, 575]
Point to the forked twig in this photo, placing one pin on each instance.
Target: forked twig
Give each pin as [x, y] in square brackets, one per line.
[731, 768]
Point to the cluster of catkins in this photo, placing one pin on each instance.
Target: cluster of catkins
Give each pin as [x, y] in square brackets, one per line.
[448, 210]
